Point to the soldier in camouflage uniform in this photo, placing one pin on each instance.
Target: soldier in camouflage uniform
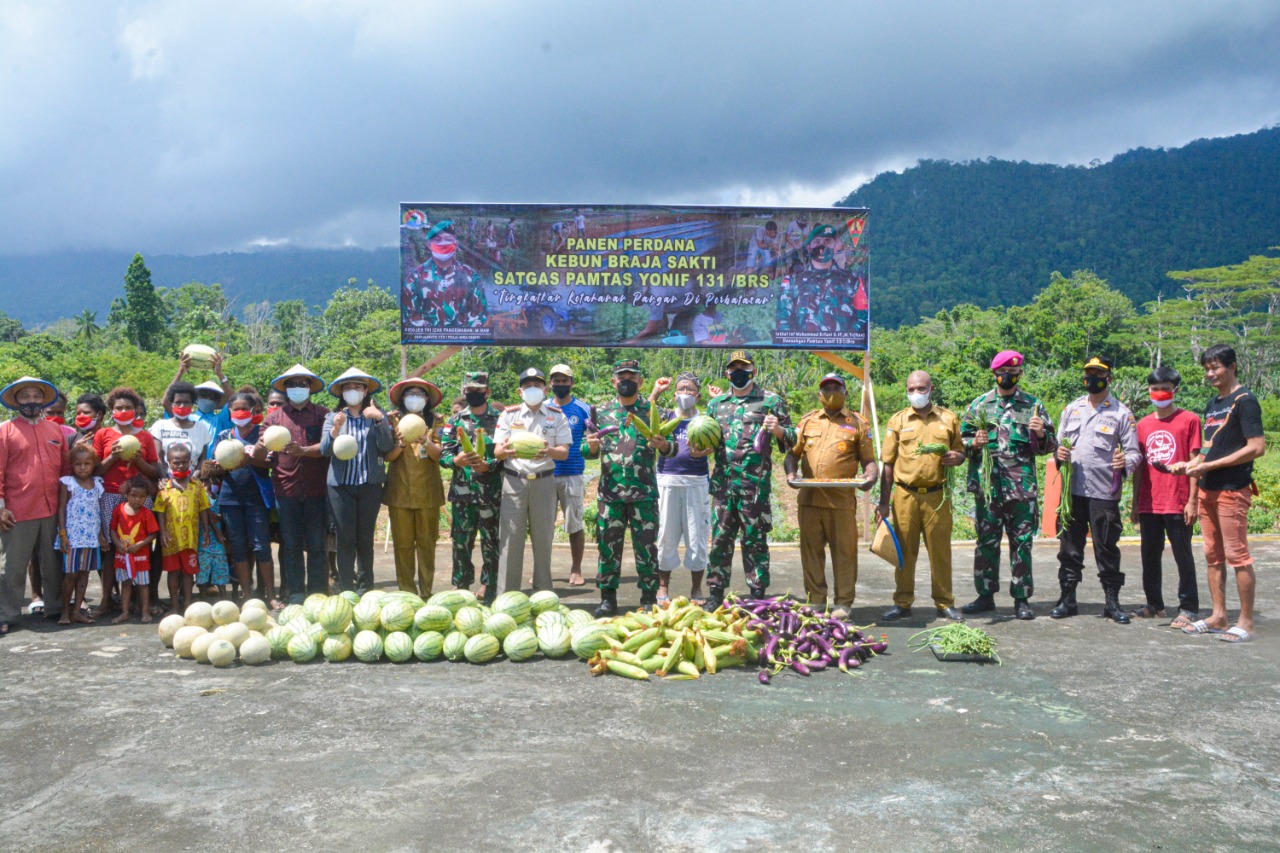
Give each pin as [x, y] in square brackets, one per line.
[741, 482]
[628, 491]
[1012, 427]
[475, 493]
[818, 297]
[445, 291]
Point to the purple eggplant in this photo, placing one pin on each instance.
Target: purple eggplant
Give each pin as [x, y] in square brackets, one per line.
[763, 676]
[799, 666]
[1117, 481]
[606, 431]
[761, 444]
[817, 665]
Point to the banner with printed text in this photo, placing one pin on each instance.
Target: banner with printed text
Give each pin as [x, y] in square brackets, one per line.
[634, 275]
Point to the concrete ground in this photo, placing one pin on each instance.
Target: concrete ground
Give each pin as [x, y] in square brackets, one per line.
[1089, 736]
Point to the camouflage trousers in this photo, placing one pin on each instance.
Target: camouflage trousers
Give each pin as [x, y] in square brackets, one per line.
[467, 520]
[751, 516]
[612, 520]
[1016, 519]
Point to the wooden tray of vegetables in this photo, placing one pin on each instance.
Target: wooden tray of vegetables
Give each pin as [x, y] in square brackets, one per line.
[814, 483]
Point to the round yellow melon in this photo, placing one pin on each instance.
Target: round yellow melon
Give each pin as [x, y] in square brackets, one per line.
[345, 447]
[128, 446]
[412, 428]
[276, 438]
[229, 453]
[201, 356]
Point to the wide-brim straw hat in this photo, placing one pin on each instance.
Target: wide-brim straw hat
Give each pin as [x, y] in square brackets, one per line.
[354, 374]
[434, 394]
[297, 370]
[9, 396]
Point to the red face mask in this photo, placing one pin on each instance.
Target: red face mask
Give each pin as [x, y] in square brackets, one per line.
[123, 418]
[274, 407]
[55, 419]
[182, 412]
[257, 419]
[180, 475]
[1161, 395]
[85, 421]
[139, 423]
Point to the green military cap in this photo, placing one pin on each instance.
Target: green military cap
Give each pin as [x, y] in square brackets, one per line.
[627, 365]
[822, 231]
[475, 379]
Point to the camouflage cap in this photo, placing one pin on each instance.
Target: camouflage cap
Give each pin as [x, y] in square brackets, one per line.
[627, 365]
[475, 379]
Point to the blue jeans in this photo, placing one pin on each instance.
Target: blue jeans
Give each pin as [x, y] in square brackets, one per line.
[249, 529]
[302, 526]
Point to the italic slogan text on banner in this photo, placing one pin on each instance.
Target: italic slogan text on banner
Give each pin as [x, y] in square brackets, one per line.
[611, 275]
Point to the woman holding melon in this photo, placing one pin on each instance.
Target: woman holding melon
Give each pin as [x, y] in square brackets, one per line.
[356, 436]
[246, 496]
[415, 492]
[127, 451]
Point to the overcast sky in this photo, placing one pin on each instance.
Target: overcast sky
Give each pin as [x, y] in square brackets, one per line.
[200, 127]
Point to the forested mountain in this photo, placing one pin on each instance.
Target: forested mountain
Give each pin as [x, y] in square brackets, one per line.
[990, 232]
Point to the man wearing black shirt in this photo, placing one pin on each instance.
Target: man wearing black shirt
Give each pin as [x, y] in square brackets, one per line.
[1232, 440]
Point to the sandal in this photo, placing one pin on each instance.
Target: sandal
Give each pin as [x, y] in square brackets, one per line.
[1182, 620]
[1146, 611]
[1235, 635]
[1201, 627]
[664, 600]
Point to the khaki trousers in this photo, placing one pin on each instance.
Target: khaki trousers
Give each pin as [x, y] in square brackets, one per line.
[414, 533]
[837, 528]
[527, 505]
[927, 515]
[27, 539]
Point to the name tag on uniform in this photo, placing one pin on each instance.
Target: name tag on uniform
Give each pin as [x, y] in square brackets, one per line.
[1106, 429]
[1023, 418]
[906, 430]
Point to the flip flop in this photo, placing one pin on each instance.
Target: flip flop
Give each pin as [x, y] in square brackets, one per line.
[1201, 627]
[1236, 635]
[664, 600]
[698, 601]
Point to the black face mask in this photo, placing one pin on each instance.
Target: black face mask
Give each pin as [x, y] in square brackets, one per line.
[821, 254]
[1094, 384]
[740, 378]
[627, 387]
[476, 398]
[30, 411]
[1007, 380]
[561, 391]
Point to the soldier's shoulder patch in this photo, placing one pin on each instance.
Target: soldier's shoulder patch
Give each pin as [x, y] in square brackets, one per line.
[514, 408]
[551, 407]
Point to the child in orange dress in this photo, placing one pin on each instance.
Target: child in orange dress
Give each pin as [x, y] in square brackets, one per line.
[133, 529]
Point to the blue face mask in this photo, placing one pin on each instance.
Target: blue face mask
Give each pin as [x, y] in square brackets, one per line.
[205, 405]
[298, 396]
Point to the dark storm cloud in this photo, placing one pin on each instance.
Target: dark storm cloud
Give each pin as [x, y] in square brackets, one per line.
[192, 128]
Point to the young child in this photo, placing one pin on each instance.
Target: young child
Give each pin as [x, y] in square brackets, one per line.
[215, 572]
[182, 510]
[79, 530]
[133, 529]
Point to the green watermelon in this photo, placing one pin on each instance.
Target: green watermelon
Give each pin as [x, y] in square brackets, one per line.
[586, 640]
[482, 648]
[367, 615]
[335, 615]
[397, 646]
[455, 645]
[351, 596]
[428, 646]
[367, 646]
[513, 603]
[290, 613]
[547, 619]
[540, 602]
[336, 647]
[311, 607]
[499, 625]
[433, 617]
[703, 433]
[579, 617]
[520, 644]
[407, 597]
[374, 595]
[302, 648]
[279, 639]
[317, 632]
[469, 620]
[555, 642]
[454, 599]
[397, 615]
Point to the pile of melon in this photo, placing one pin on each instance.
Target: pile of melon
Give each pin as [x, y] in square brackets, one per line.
[400, 627]
[220, 633]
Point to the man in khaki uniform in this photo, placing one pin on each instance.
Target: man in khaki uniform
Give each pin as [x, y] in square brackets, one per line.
[920, 504]
[831, 443]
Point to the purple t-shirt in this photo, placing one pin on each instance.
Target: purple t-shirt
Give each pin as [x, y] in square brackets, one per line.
[682, 462]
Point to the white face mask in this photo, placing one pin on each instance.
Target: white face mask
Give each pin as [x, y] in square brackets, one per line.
[532, 395]
[415, 402]
[353, 396]
[919, 401]
[686, 401]
[298, 396]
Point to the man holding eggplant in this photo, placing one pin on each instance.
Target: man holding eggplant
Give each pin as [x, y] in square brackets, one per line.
[1099, 440]
[627, 435]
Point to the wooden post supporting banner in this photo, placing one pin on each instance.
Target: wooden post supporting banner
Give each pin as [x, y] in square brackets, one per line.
[404, 363]
[435, 361]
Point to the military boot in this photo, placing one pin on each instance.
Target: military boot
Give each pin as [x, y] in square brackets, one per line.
[1112, 610]
[648, 598]
[982, 604]
[757, 591]
[715, 599]
[1066, 605]
[608, 603]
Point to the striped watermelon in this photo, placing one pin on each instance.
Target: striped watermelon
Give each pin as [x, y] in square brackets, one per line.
[555, 642]
[469, 620]
[520, 644]
[374, 595]
[540, 602]
[367, 615]
[433, 617]
[397, 647]
[703, 433]
[513, 603]
[397, 615]
[279, 639]
[428, 646]
[589, 639]
[335, 615]
[367, 646]
[317, 632]
[289, 614]
[336, 647]
[499, 625]
[351, 596]
[454, 599]
[302, 648]
[579, 617]
[546, 620]
[407, 597]
[455, 645]
[482, 648]
[311, 607]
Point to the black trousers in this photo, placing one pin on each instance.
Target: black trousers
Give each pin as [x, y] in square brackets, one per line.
[355, 513]
[1154, 527]
[1102, 519]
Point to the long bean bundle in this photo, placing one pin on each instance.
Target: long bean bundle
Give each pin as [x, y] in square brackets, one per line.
[948, 471]
[956, 638]
[984, 424]
[1064, 502]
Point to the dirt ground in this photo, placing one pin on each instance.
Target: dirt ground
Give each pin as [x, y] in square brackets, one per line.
[1089, 736]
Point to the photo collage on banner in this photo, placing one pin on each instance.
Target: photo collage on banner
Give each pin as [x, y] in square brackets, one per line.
[634, 275]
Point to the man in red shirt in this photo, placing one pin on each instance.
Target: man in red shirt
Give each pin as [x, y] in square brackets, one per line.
[1165, 503]
[298, 473]
[33, 456]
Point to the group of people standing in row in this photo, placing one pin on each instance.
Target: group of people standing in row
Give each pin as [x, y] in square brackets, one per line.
[79, 499]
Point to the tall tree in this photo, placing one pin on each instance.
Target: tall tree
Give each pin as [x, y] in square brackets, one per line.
[144, 310]
[87, 325]
[10, 329]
